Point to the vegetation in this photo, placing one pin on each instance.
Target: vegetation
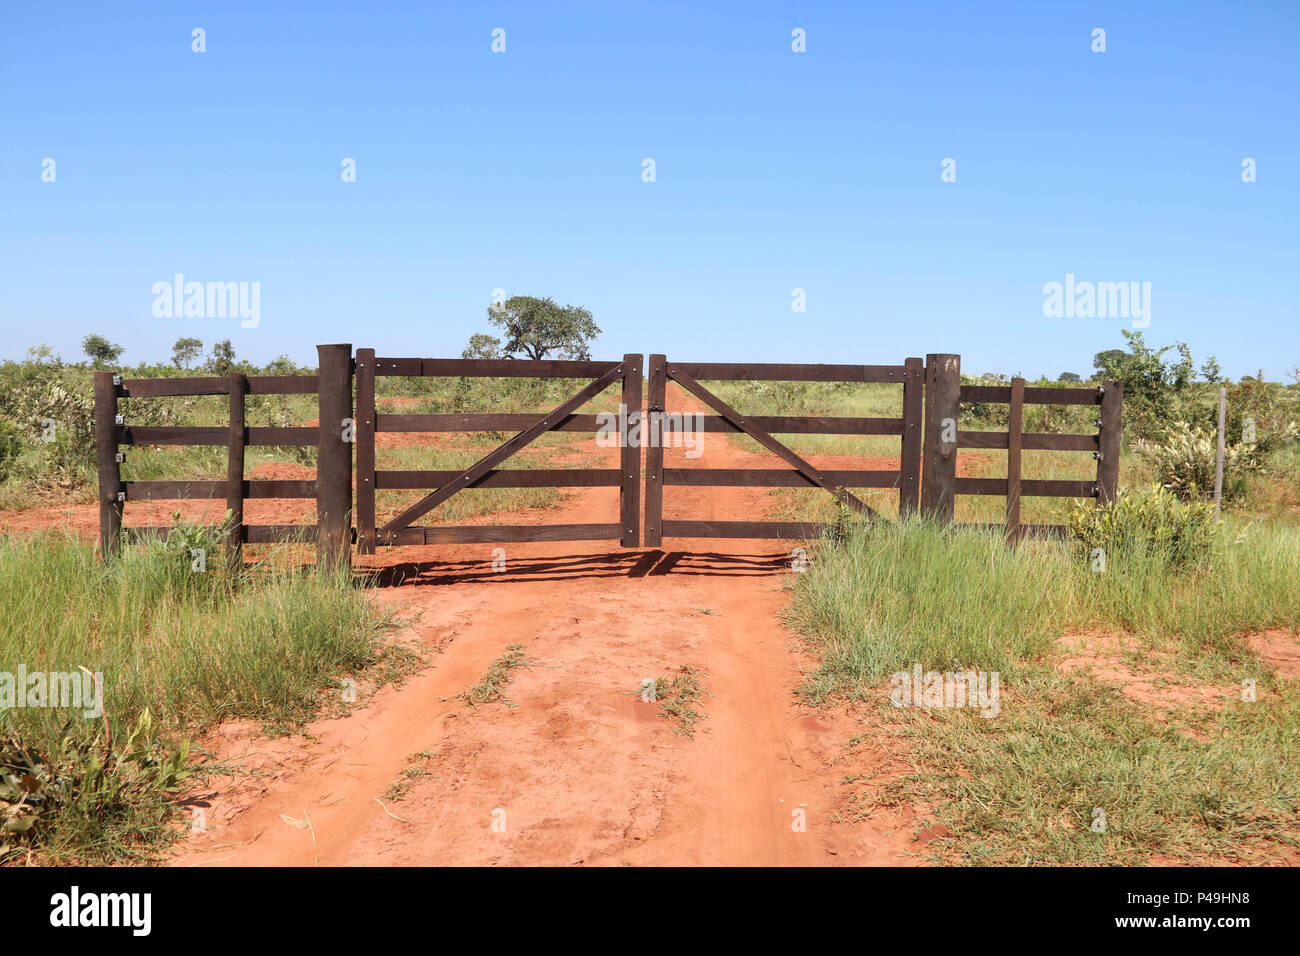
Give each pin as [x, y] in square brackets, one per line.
[178, 651]
[536, 328]
[489, 687]
[1210, 783]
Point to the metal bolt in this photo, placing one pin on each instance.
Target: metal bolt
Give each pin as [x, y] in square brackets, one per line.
[119, 457]
[1097, 422]
[121, 496]
[1097, 455]
[119, 419]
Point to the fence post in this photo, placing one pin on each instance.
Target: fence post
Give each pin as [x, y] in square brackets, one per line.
[1112, 404]
[630, 453]
[235, 442]
[334, 457]
[654, 455]
[1220, 452]
[110, 472]
[1015, 432]
[365, 432]
[909, 485]
[942, 406]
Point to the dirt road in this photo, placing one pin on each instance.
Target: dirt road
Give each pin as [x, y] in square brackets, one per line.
[576, 768]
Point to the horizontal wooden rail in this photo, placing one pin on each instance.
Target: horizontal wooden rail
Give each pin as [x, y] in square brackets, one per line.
[787, 530]
[252, 533]
[491, 368]
[786, 424]
[211, 435]
[505, 478]
[1033, 396]
[1030, 441]
[500, 533]
[1029, 487]
[205, 488]
[781, 372]
[777, 478]
[485, 422]
[257, 385]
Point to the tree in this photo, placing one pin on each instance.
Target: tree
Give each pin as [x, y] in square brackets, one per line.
[482, 346]
[185, 351]
[100, 350]
[1210, 370]
[221, 360]
[1108, 361]
[537, 327]
[1153, 388]
[1071, 378]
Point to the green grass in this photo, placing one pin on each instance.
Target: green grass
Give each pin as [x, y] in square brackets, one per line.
[677, 696]
[490, 686]
[179, 651]
[1021, 787]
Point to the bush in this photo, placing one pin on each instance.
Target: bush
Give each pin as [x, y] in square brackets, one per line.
[1146, 524]
[11, 446]
[1184, 462]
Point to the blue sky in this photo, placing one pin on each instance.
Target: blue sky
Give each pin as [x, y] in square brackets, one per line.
[775, 170]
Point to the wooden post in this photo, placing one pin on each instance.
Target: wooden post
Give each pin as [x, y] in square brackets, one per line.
[629, 494]
[942, 407]
[1218, 460]
[110, 471]
[334, 457]
[1112, 404]
[1015, 431]
[365, 433]
[909, 485]
[654, 455]
[235, 442]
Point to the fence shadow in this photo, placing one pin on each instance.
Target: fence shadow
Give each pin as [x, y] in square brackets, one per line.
[572, 567]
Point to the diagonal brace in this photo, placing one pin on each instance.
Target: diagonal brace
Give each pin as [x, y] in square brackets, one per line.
[481, 467]
[767, 441]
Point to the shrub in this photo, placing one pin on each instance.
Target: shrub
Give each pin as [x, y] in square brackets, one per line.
[1146, 524]
[1184, 462]
[11, 446]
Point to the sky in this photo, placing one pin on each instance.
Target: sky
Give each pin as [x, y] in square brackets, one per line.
[774, 170]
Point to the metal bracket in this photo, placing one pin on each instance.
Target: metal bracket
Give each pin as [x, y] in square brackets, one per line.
[1097, 422]
[117, 380]
[120, 457]
[1096, 489]
[121, 496]
[119, 419]
[1097, 455]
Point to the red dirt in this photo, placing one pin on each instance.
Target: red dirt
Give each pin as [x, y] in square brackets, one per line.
[580, 770]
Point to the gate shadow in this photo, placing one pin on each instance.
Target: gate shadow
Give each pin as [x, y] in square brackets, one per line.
[573, 567]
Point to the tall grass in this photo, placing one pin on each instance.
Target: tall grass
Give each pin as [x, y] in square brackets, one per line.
[1022, 787]
[186, 649]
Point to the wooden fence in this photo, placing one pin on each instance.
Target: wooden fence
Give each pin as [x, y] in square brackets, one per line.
[484, 473]
[114, 431]
[926, 478]
[943, 436]
[761, 429]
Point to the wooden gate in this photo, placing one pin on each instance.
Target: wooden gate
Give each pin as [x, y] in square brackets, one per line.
[484, 473]
[910, 375]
